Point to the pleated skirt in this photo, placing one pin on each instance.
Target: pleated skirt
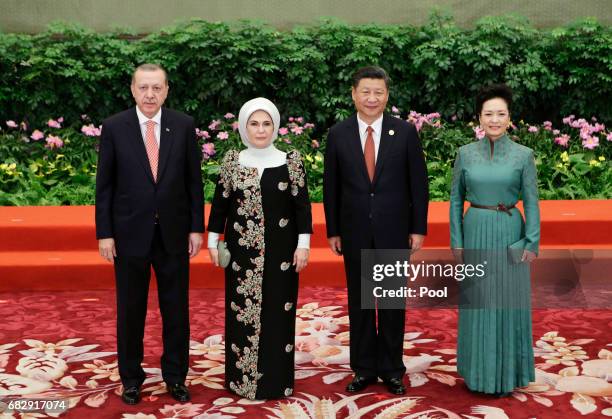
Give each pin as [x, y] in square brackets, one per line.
[494, 345]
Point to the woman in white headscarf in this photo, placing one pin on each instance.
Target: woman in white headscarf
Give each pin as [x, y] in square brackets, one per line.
[261, 204]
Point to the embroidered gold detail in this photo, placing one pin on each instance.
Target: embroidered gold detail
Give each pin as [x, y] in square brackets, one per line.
[296, 171]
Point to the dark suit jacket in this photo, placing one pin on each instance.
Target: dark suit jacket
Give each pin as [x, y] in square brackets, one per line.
[127, 198]
[383, 212]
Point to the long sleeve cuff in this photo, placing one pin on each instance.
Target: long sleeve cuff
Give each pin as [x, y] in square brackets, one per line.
[213, 240]
[303, 241]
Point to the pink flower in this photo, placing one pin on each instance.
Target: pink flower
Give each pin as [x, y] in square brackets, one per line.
[11, 124]
[84, 117]
[37, 135]
[532, 129]
[202, 134]
[214, 124]
[547, 125]
[91, 130]
[208, 150]
[568, 119]
[562, 140]
[315, 144]
[454, 118]
[479, 132]
[598, 127]
[433, 115]
[591, 143]
[308, 125]
[512, 126]
[223, 135]
[283, 131]
[297, 130]
[291, 119]
[235, 126]
[556, 132]
[609, 136]
[54, 124]
[54, 142]
[60, 119]
[300, 119]
[229, 115]
[287, 140]
[395, 110]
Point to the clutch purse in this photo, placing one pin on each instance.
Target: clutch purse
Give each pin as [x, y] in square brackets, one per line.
[515, 251]
[224, 255]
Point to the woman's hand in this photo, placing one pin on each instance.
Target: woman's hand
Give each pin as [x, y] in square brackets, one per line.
[528, 256]
[214, 255]
[300, 259]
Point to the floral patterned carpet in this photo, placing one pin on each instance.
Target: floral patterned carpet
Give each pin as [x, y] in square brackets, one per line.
[61, 345]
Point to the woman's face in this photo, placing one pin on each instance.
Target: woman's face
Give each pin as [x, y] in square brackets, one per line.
[260, 129]
[494, 118]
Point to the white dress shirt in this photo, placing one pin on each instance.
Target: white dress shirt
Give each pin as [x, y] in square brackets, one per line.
[363, 134]
[142, 122]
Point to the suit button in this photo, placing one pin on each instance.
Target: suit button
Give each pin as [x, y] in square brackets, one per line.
[370, 216]
[372, 194]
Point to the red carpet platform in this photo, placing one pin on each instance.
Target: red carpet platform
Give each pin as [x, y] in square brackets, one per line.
[54, 248]
[61, 345]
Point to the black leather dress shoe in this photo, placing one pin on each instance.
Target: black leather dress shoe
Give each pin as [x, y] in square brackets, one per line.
[359, 383]
[179, 392]
[395, 386]
[131, 395]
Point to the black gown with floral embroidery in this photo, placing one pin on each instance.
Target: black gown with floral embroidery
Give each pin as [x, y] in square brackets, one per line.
[262, 219]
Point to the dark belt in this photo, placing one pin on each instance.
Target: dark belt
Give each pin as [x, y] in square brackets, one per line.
[498, 207]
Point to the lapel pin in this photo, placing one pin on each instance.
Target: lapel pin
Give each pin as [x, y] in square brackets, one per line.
[391, 132]
[167, 129]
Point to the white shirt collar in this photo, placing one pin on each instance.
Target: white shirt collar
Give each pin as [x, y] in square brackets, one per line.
[142, 118]
[376, 125]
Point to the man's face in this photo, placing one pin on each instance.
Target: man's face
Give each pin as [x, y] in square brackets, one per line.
[370, 97]
[150, 90]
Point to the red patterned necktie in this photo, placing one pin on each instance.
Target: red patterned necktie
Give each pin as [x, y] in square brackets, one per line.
[152, 147]
[369, 152]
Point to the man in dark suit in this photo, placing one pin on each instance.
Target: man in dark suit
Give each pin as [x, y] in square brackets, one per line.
[376, 197]
[149, 213]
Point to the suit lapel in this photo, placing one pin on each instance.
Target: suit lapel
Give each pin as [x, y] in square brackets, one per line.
[386, 143]
[354, 143]
[166, 142]
[137, 142]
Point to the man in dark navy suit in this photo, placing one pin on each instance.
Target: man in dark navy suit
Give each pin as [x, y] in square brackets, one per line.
[149, 213]
[376, 197]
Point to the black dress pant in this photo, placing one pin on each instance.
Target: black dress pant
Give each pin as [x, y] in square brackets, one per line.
[132, 275]
[376, 350]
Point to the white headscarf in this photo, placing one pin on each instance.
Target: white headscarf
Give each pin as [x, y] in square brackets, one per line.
[253, 105]
[261, 158]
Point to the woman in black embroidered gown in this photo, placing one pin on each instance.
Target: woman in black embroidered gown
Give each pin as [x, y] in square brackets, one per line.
[261, 204]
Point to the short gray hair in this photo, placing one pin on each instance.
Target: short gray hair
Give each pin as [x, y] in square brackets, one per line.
[150, 67]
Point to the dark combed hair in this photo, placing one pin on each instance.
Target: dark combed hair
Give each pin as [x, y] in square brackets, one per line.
[493, 91]
[370, 72]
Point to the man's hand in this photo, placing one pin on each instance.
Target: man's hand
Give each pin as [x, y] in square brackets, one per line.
[214, 255]
[416, 242]
[107, 249]
[335, 243]
[195, 243]
[300, 258]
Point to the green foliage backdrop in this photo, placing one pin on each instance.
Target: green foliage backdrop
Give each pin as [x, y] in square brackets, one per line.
[68, 70]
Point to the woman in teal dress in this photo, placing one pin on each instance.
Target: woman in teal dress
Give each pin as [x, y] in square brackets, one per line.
[494, 348]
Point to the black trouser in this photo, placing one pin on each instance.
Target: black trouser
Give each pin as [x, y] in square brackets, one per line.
[132, 275]
[375, 351]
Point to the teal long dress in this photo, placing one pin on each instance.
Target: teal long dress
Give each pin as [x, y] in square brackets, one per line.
[494, 345]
